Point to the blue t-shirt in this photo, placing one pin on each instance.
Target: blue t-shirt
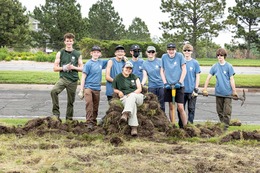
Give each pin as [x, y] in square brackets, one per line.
[153, 72]
[115, 70]
[223, 74]
[193, 68]
[93, 70]
[173, 67]
[137, 69]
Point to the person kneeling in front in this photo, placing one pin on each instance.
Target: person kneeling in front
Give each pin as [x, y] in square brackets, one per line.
[128, 87]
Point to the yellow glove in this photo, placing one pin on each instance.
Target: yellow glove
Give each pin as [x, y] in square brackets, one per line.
[235, 96]
[205, 93]
[81, 94]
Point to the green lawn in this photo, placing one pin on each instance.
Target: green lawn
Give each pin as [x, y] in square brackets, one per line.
[38, 77]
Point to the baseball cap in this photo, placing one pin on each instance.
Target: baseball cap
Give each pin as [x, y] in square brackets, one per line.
[119, 47]
[96, 48]
[135, 47]
[150, 48]
[171, 45]
[128, 64]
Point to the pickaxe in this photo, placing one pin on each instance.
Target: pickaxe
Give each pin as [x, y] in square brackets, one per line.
[243, 98]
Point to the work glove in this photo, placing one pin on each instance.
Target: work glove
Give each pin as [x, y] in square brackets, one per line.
[235, 96]
[65, 68]
[167, 86]
[205, 93]
[195, 92]
[81, 94]
[125, 58]
[177, 85]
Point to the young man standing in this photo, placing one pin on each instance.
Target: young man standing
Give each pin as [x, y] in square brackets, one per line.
[173, 72]
[91, 85]
[151, 71]
[137, 63]
[191, 83]
[68, 63]
[225, 86]
[114, 67]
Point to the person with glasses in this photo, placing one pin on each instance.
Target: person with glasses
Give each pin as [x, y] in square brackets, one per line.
[191, 83]
[151, 71]
[91, 85]
[173, 72]
[114, 67]
[136, 61]
[128, 87]
[225, 86]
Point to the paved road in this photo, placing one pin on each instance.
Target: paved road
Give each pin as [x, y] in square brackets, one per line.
[46, 66]
[28, 101]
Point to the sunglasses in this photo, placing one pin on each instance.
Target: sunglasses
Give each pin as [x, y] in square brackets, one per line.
[219, 55]
[186, 50]
[151, 51]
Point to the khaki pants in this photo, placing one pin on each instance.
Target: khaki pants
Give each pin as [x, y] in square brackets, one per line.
[71, 88]
[224, 109]
[130, 104]
[92, 98]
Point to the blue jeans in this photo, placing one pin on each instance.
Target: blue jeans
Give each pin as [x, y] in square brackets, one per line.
[191, 108]
[160, 94]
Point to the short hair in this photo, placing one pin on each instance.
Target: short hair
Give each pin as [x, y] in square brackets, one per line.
[187, 47]
[222, 52]
[69, 36]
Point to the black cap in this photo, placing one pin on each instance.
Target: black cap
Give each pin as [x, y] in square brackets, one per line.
[135, 47]
[171, 45]
[96, 48]
[119, 47]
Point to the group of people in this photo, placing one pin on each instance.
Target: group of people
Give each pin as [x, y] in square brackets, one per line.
[174, 70]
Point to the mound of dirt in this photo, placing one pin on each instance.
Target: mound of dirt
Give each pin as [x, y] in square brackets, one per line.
[238, 135]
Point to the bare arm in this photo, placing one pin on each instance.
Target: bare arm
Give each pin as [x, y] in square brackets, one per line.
[56, 66]
[144, 77]
[207, 82]
[139, 86]
[82, 82]
[163, 75]
[183, 73]
[197, 82]
[108, 69]
[232, 83]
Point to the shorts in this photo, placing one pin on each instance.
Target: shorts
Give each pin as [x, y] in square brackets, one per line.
[179, 97]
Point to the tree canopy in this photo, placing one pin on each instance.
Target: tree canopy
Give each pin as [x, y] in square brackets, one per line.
[190, 20]
[104, 23]
[245, 18]
[14, 29]
[56, 18]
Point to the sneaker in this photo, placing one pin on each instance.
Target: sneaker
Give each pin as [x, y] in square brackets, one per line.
[134, 130]
[124, 117]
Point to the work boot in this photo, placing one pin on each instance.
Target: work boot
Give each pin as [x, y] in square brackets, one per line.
[134, 130]
[124, 116]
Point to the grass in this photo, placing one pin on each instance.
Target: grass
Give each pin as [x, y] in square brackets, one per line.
[234, 62]
[38, 77]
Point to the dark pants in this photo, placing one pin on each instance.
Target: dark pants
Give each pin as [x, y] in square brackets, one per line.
[191, 108]
[224, 109]
[92, 98]
[71, 88]
[159, 92]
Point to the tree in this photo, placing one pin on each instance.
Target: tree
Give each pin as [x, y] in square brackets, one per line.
[245, 18]
[138, 31]
[191, 20]
[14, 29]
[104, 22]
[56, 18]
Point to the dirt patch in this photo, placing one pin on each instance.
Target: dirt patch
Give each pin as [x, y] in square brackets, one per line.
[238, 135]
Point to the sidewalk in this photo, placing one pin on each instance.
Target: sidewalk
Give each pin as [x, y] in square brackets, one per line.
[49, 87]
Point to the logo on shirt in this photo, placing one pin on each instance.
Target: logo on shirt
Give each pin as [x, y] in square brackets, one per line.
[140, 67]
[73, 59]
[156, 66]
[175, 63]
[224, 72]
[191, 68]
[100, 66]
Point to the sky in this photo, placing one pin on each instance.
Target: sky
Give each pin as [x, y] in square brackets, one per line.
[148, 11]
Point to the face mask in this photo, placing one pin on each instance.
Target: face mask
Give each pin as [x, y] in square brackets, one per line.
[136, 54]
